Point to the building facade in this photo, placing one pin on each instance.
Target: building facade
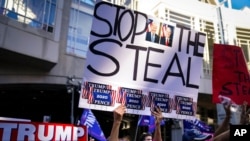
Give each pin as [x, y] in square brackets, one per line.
[43, 46]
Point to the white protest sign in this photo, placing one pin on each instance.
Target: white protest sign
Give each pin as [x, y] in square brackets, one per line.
[125, 66]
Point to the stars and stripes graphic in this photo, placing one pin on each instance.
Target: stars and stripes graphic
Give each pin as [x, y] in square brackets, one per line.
[178, 108]
[119, 95]
[161, 99]
[179, 105]
[90, 95]
[102, 94]
[194, 106]
[145, 101]
[85, 90]
[109, 87]
[122, 90]
[93, 96]
[113, 97]
[152, 103]
[124, 98]
[175, 102]
[163, 30]
[171, 104]
[87, 85]
[177, 99]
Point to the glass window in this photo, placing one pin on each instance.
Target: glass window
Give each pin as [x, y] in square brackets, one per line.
[50, 10]
[36, 13]
[246, 52]
[79, 32]
[243, 39]
[82, 2]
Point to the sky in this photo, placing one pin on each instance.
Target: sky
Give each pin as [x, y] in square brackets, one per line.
[238, 4]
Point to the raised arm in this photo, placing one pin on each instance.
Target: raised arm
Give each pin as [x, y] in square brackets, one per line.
[225, 124]
[224, 136]
[158, 118]
[118, 115]
[244, 118]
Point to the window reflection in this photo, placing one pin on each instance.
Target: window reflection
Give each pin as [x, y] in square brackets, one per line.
[36, 13]
[82, 2]
[79, 32]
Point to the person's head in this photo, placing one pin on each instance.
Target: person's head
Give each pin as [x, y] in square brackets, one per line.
[154, 27]
[169, 32]
[146, 137]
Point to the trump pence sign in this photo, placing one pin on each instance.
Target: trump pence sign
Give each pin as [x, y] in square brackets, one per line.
[142, 62]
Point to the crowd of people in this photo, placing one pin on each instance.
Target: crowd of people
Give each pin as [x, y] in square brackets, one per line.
[118, 116]
[222, 133]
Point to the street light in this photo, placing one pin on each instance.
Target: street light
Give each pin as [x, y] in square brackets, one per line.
[71, 84]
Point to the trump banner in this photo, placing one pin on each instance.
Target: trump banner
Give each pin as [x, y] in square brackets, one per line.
[230, 74]
[94, 129]
[148, 121]
[34, 131]
[141, 61]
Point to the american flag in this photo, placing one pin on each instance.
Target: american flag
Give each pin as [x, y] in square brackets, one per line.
[109, 87]
[90, 96]
[178, 108]
[152, 103]
[163, 30]
[122, 90]
[85, 90]
[175, 101]
[145, 101]
[113, 97]
[124, 98]
[119, 95]
[194, 106]
[171, 104]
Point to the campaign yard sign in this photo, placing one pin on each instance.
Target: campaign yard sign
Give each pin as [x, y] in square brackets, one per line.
[230, 74]
[142, 62]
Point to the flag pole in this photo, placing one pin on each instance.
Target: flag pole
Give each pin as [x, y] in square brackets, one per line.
[136, 131]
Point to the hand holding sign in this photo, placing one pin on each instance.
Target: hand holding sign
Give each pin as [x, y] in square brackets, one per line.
[158, 115]
[119, 112]
[228, 103]
[244, 118]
